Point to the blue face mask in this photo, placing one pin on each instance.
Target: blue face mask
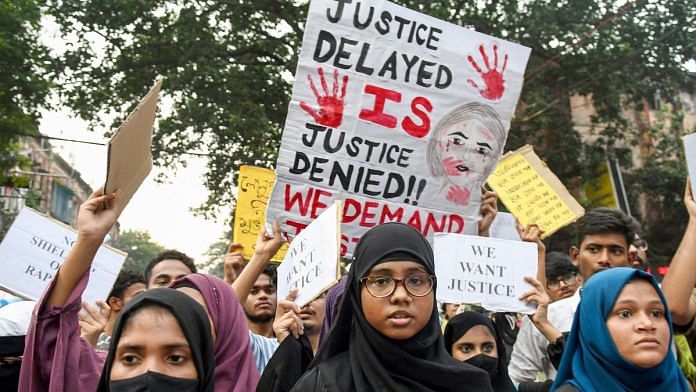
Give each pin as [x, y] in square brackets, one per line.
[152, 381]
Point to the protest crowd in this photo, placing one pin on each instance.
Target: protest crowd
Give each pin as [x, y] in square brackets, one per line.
[396, 276]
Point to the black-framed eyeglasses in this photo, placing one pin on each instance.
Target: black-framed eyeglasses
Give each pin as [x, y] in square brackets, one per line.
[568, 279]
[640, 244]
[380, 286]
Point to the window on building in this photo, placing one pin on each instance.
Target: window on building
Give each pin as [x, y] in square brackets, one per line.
[61, 203]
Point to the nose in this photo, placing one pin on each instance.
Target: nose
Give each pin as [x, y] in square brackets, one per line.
[153, 364]
[400, 294]
[605, 258]
[646, 323]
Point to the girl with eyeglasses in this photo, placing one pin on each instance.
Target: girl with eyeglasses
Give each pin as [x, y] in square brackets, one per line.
[387, 336]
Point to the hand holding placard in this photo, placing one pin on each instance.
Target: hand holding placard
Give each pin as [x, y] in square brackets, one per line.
[311, 264]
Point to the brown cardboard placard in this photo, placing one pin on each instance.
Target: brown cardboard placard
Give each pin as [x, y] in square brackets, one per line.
[130, 150]
[532, 193]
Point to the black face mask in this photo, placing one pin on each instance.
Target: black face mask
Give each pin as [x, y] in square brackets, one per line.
[485, 362]
[152, 381]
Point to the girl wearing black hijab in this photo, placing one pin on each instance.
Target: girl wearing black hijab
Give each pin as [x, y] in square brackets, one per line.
[387, 334]
[161, 342]
[482, 348]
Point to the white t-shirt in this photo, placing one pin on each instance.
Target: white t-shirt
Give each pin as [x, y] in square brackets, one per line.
[529, 355]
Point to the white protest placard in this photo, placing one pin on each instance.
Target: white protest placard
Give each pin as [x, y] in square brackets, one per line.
[312, 262]
[485, 271]
[401, 115]
[35, 247]
[504, 227]
[690, 153]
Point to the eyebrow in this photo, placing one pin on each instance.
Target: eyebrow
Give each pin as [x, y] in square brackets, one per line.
[390, 271]
[459, 133]
[483, 144]
[162, 276]
[633, 301]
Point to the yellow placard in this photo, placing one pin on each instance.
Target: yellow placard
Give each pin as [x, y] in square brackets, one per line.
[601, 193]
[532, 193]
[254, 190]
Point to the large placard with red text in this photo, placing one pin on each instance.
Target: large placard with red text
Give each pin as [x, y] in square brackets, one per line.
[401, 115]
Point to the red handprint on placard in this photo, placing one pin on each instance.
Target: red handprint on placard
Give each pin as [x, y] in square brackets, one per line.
[495, 83]
[330, 105]
[458, 195]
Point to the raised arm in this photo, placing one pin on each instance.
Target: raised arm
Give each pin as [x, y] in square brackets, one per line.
[266, 248]
[681, 277]
[488, 211]
[533, 234]
[94, 220]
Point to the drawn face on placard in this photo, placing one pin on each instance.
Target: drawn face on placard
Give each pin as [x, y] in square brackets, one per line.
[464, 148]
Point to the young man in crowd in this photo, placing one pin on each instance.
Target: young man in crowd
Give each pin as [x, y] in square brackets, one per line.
[260, 305]
[243, 284]
[603, 238]
[562, 276]
[167, 267]
[97, 325]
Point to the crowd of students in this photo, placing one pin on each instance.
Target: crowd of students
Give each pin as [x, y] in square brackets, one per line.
[601, 323]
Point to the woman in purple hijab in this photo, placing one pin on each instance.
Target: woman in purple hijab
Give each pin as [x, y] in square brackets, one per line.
[235, 369]
[333, 300]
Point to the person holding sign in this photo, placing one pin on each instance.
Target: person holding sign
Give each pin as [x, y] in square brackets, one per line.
[464, 148]
[387, 333]
[54, 354]
[603, 237]
[621, 339]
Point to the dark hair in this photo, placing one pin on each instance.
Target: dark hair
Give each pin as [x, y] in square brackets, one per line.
[170, 254]
[559, 264]
[126, 278]
[605, 220]
[270, 270]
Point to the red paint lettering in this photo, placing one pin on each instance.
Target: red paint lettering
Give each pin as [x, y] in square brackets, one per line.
[376, 114]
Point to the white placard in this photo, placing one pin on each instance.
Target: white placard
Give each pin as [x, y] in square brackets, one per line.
[485, 271]
[36, 246]
[311, 263]
[504, 227]
[400, 115]
[690, 152]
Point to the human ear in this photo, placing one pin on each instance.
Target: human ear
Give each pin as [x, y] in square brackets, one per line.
[574, 252]
[115, 304]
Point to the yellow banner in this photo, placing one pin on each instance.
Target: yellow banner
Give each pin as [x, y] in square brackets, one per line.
[601, 192]
[532, 193]
[254, 189]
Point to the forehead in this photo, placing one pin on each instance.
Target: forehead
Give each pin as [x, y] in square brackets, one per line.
[477, 333]
[141, 326]
[605, 239]
[397, 267]
[263, 280]
[640, 291]
[135, 287]
[170, 267]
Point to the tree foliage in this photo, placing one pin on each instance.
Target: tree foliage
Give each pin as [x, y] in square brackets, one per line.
[228, 68]
[24, 86]
[214, 263]
[140, 248]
